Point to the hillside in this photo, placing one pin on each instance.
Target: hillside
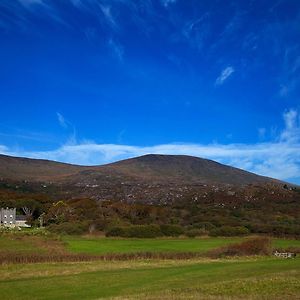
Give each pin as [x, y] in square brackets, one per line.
[159, 189]
[149, 179]
[151, 167]
[19, 168]
[185, 168]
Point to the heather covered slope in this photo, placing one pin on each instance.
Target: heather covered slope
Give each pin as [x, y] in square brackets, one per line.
[149, 179]
[19, 168]
[153, 189]
[185, 169]
[158, 168]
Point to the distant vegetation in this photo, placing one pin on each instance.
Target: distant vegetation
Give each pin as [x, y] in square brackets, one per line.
[114, 218]
[149, 196]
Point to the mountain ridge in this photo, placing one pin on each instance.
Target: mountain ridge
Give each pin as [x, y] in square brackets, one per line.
[151, 166]
[152, 179]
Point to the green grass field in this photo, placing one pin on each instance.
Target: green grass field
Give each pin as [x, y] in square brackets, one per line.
[15, 244]
[111, 245]
[102, 245]
[235, 278]
[285, 243]
[263, 278]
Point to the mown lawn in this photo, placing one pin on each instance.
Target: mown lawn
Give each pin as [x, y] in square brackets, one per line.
[101, 245]
[96, 245]
[114, 245]
[285, 243]
[242, 278]
[263, 278]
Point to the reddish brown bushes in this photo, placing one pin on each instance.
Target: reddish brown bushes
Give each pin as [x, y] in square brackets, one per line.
[42, 258]
[253, 246]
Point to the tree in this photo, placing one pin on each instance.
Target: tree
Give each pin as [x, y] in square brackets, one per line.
[29, 206]
[59, 212]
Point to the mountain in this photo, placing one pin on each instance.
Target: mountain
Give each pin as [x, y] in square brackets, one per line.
[158, 179]
[18, 168]
[185, 168]
[150, 167]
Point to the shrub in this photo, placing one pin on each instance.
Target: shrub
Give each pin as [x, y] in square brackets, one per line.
[68, 228]
[254, 246]
[204, 225]
[116, 231]
[136, 231]
[171, 230]
[195, 232]
[144, 231]
[229, 231]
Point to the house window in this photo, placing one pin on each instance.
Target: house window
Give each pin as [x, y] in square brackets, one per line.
[10, 222]
[11, 216]
[5, 216]
[5, 222]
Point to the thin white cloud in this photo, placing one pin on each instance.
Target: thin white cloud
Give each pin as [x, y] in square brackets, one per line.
[291, 133]
[27, 3]
[225, 74]
[47, 8]
[117, 49]
[61, 120]
[290, 81]
[262, 133]
[3, 149]
[77, 3]
[106, 10]
[102, 10]
[28, 136]
[166, 3]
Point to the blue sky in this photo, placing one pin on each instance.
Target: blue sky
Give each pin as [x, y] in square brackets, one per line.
[94, 81]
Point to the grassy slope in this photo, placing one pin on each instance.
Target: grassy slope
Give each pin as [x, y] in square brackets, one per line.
[260, 278]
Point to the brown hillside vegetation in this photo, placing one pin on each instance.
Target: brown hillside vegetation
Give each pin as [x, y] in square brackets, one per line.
[148, 167]
[202, 196]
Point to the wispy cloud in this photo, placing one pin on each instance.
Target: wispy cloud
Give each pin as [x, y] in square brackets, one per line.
[166, 3]
[195, 32]
[64, 123]
[291, 133]
[262, 133]
[290, 71]
[225, 74]
[61, 120]
[20, 13]
[27, 3]
[279, 158]
[106, 10]
[33, 136]
[102, 10]
[117, 49]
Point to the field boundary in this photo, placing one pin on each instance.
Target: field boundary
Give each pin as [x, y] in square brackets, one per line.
[44, 258]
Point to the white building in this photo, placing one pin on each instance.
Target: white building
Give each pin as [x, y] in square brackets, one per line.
[8, 218]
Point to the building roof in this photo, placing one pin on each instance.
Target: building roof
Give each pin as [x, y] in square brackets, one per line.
[21, 218]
